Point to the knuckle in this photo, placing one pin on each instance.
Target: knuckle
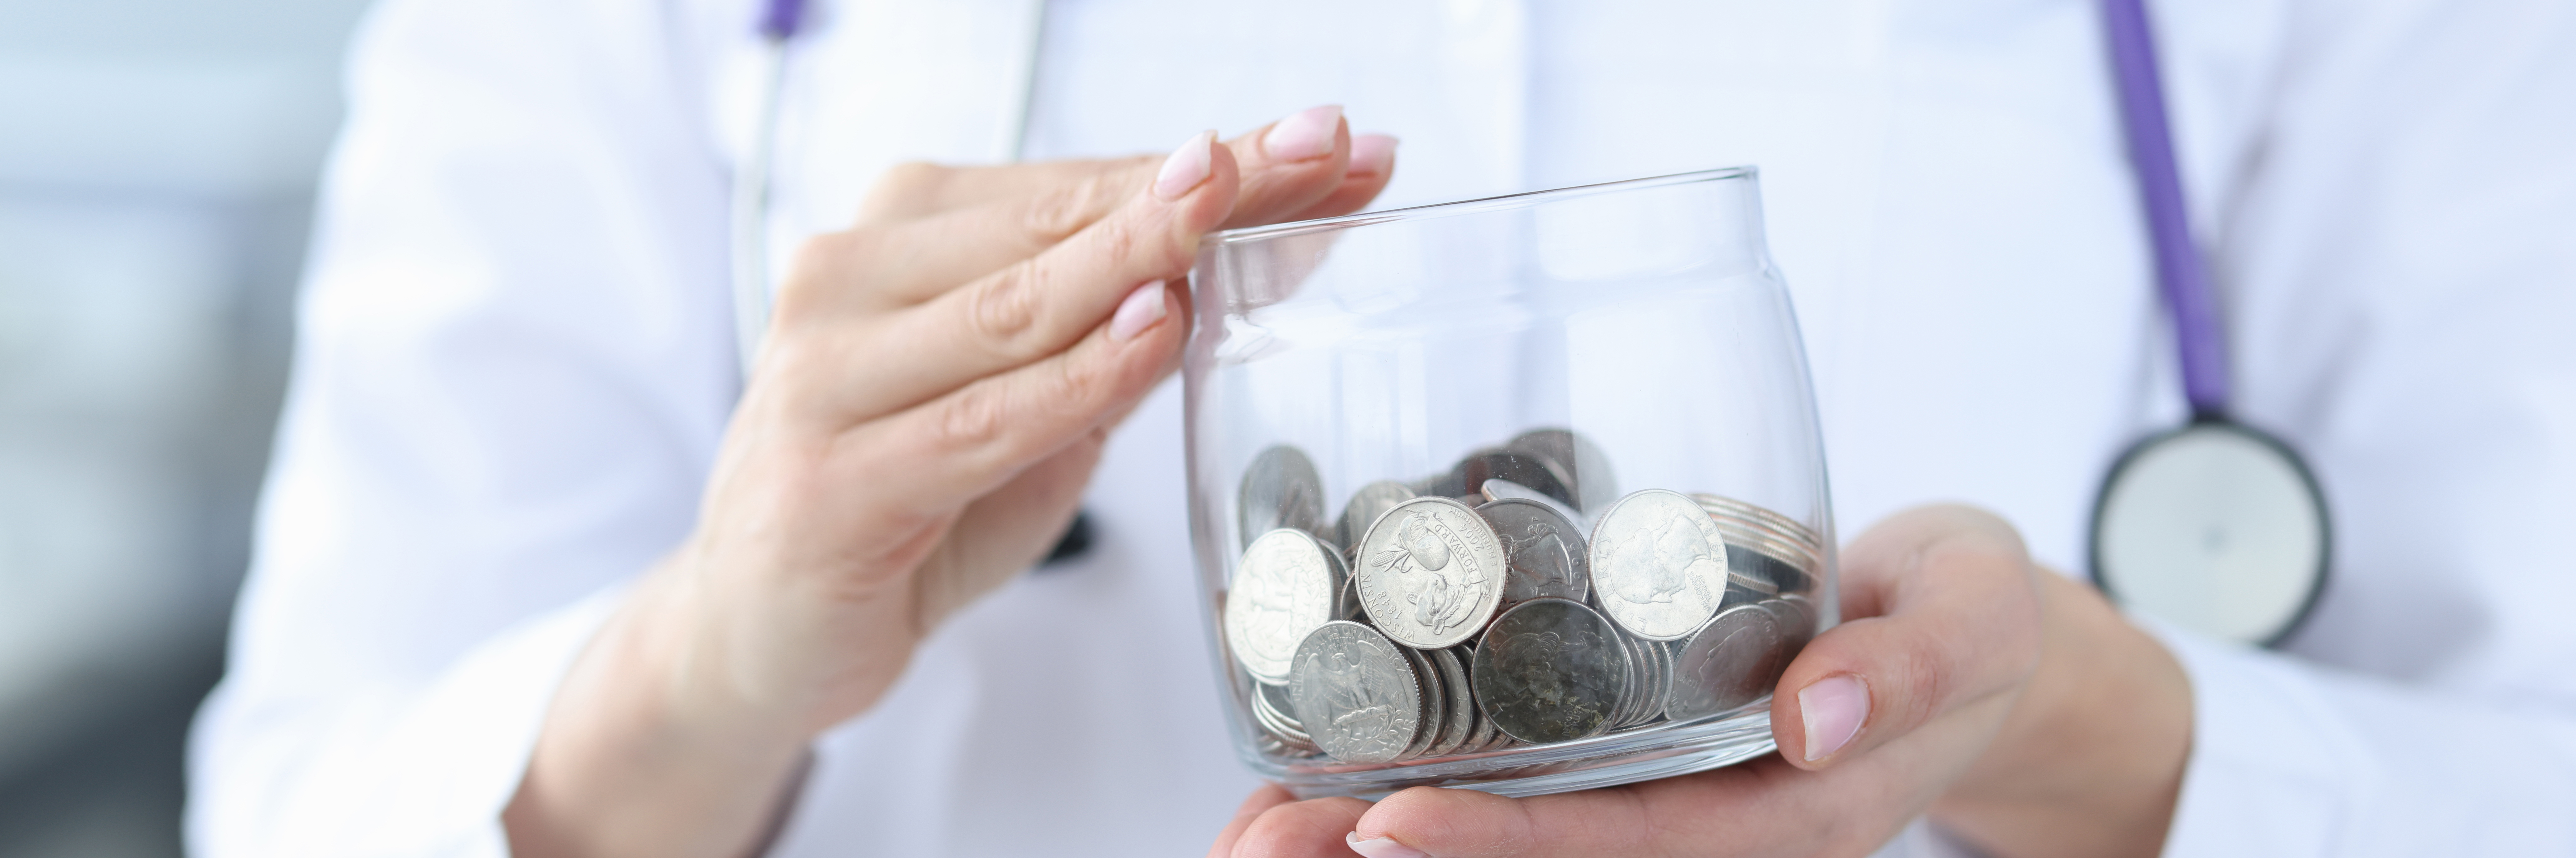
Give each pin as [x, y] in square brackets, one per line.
[1058, 213]
[1003, 312]
[972, 419]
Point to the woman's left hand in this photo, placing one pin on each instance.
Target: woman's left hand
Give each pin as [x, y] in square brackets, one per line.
[2015, 705]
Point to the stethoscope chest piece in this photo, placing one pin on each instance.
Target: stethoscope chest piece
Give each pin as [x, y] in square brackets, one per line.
[2214, 527]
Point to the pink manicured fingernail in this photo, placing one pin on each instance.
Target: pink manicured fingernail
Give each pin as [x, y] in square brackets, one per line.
[1382, 847]
[1187, 167]
[1833, 709]
[1372, 155]
[1308, 134]
[1141, 310]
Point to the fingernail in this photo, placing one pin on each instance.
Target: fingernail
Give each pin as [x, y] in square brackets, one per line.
[1372, 154]
[1382, 847]
[1187, 167]
[1833, 709]
[1141, 310]
[1308, 134]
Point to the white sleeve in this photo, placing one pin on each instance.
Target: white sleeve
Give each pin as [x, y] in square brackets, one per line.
[514, 364]
[2401, 274]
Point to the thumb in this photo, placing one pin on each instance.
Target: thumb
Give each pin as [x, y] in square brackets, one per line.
[1946, 615]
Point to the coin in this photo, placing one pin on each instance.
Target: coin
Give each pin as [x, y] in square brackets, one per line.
[1356, 693]
[1430, 573]
[1269, 705]
[1658, 566]
[1284, 587]
[1586, 468]
[1526, 469]
[1367, 504]
[1543, 551]
[1731, 661]
[1280, 489]
[1457, 701]
[1759, 518]
[1500, 489]
[1550, 670]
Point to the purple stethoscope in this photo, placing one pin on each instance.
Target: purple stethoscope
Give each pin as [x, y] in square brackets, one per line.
[2213, 526]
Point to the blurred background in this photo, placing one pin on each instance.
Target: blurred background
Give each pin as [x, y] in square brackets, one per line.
[157, 163]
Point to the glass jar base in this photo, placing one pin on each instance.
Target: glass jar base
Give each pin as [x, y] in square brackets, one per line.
[1637, 755]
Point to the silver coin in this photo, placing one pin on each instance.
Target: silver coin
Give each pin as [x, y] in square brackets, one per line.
[1430, 573]
[1550, 670]
[1284, 587]
[1266, 712]
[1435, 707]
[1542, 549]
[1585, 466]
[1356, 693]
[1760, 518]
[1457, 700]
[1526, 469]
[1367, 504]
[1728, 663]
[1280, 489]
[1658, 565]
[1797, 618]
[1495, 490]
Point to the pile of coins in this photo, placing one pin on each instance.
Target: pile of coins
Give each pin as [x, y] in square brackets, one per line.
[1517, 598]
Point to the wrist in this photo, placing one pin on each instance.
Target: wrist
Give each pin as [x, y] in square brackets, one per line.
[2092, 756]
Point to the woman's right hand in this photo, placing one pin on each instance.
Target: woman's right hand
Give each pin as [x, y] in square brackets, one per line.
[930, 401]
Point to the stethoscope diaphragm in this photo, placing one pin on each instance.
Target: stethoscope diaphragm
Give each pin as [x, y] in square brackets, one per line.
[2214, 527]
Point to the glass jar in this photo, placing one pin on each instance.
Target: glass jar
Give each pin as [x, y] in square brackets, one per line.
[1522, 494]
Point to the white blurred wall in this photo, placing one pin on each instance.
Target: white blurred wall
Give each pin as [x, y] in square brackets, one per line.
[156, 162]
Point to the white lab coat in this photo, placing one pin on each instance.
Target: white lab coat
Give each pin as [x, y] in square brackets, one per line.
[516, 361]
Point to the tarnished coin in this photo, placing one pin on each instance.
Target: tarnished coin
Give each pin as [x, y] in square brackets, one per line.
[1284, 587]
[1762, 572]
[1587, 469]
[1658, 565]
[1356, 693]
[1526, 469]
[1543, 551]
[1551, 670]
[1367, 504]
[1797, 623]
[1280, 489]
[1731, 661]
[1430, 573]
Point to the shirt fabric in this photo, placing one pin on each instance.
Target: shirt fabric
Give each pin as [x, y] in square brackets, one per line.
[516, 362]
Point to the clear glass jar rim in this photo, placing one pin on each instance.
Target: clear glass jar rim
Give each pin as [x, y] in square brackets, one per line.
[1251, 234]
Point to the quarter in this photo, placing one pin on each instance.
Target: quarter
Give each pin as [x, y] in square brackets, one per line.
[1430, 573]
[1356, 693]
[1551, 670]
[1285, 586]
[1658, 565]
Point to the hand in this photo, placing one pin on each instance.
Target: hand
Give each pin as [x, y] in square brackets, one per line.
[930, 400]
[2013, 703]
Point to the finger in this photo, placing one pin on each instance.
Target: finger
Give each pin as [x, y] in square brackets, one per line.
[1948, 616]
[1019, 315]
[1030, 210]
[965, 444]
[1261, 800]
[1290, 165]
[921, 189]
[1372, 166]
[1304, 829]
[1008, 530]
